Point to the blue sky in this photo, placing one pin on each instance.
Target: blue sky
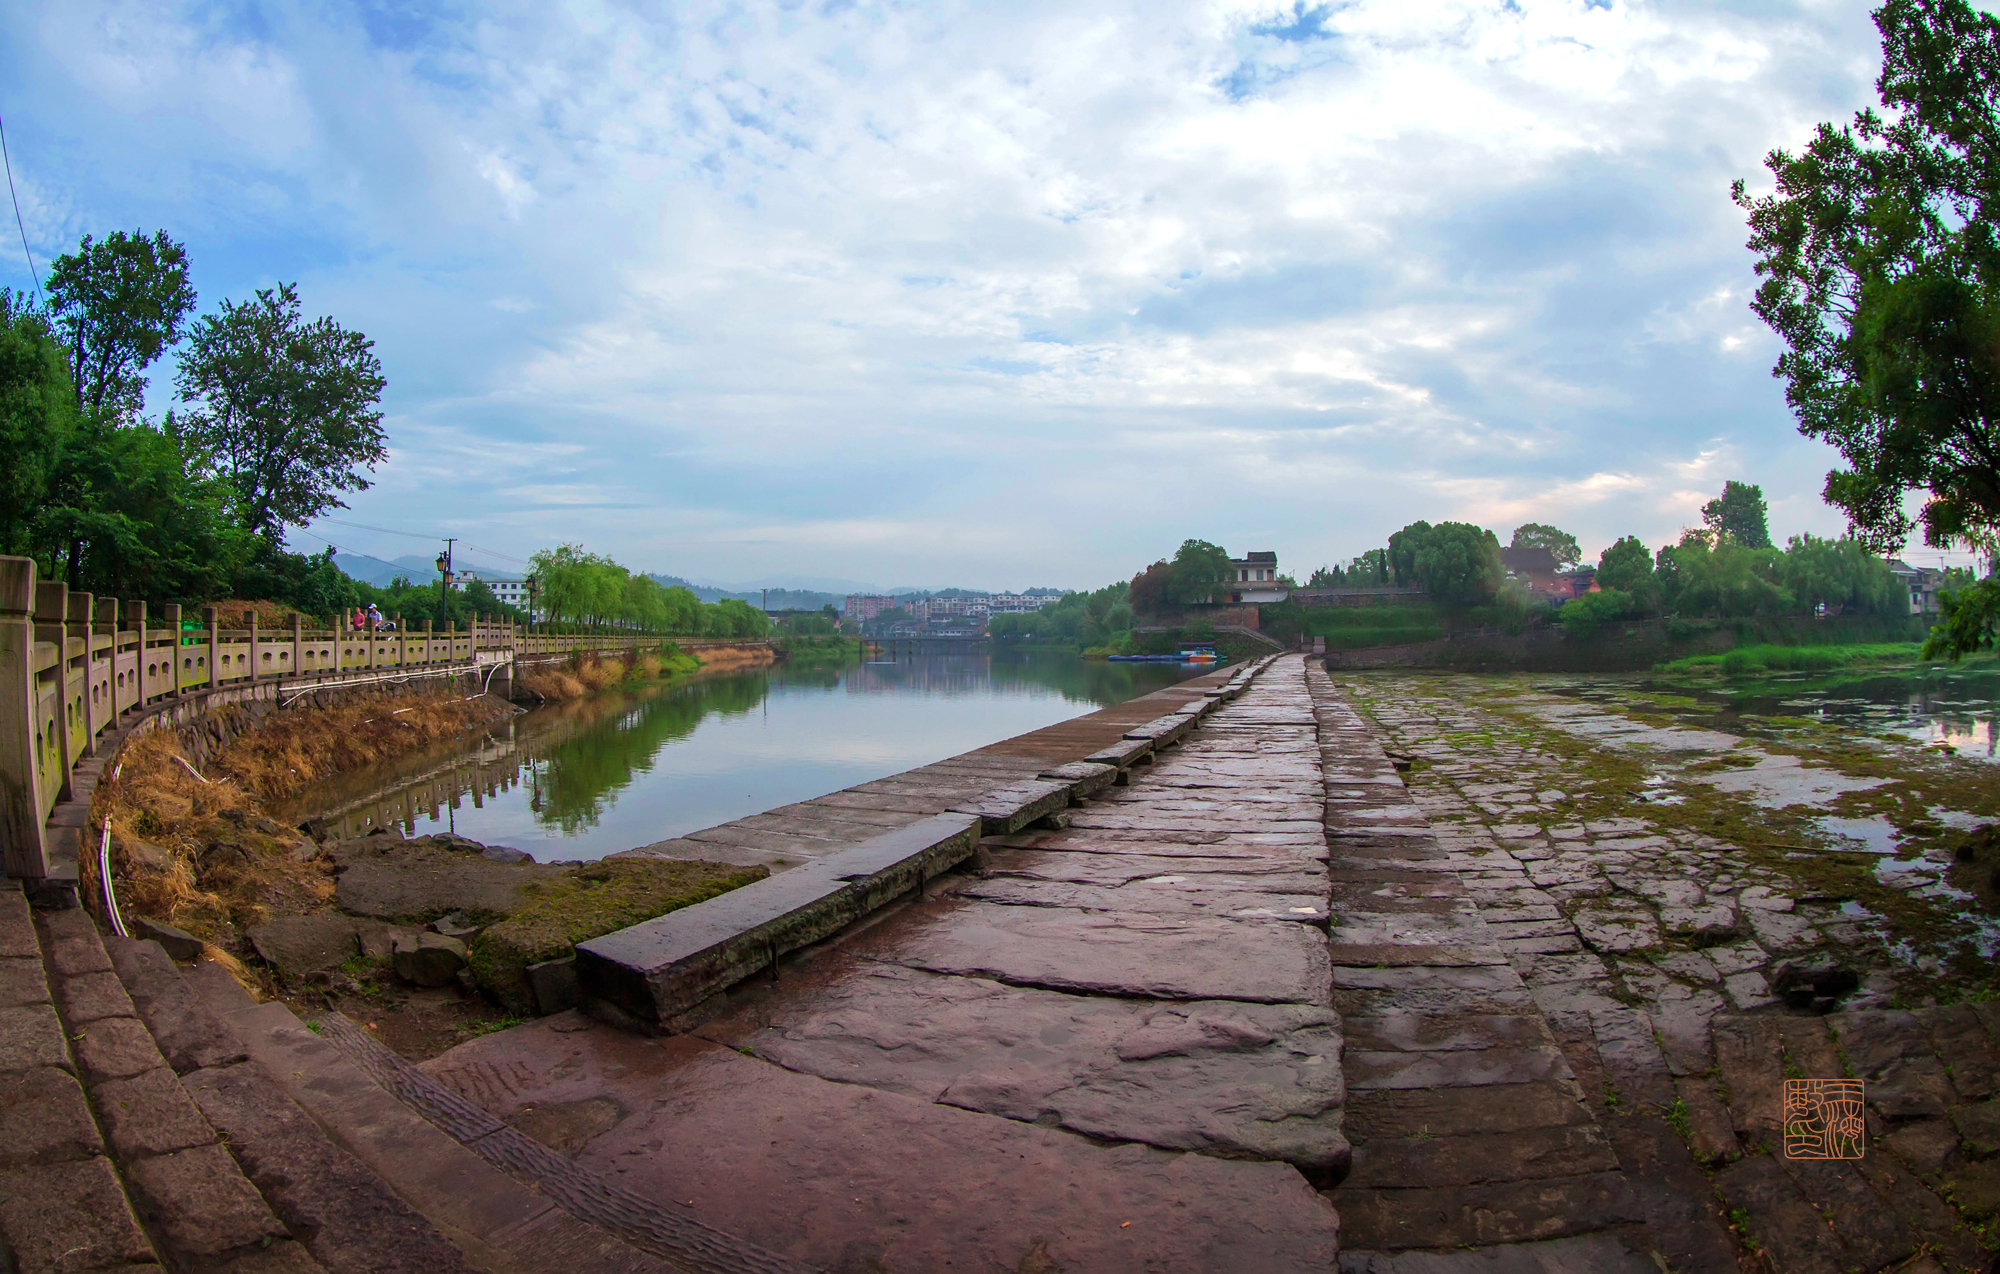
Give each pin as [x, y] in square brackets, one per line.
[1000, 295]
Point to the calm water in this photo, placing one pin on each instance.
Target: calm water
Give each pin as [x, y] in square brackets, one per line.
[584, 779]
[1954, 707]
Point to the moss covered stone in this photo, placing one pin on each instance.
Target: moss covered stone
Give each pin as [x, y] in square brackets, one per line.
[596, 899]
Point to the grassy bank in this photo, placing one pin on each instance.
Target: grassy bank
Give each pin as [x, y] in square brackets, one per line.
[588, 673]
[827, 648]
[1751, 660]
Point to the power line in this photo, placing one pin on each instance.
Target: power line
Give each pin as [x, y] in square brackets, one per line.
[416, 535]
[18, 223]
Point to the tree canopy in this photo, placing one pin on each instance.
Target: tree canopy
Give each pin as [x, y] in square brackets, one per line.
[1881, 268]
[287, 407]
[1738, 515]
[119, 305]
[1561, 545]
[1455, 562]
[1201, 570]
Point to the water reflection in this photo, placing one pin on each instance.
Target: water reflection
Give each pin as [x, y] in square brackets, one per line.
[1949, 707]
[587, 778]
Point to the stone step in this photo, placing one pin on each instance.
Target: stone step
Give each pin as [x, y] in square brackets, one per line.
[509, 1203]
[106, 1161]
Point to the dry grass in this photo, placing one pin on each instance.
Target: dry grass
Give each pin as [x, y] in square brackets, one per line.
[199, 855]
[303, 745]
[736, 657]
[204, 855]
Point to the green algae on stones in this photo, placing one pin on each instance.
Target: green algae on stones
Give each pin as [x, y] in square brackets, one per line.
[596, 899]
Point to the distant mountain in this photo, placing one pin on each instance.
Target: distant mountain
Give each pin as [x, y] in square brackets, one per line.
[418, 570]
[781, 598]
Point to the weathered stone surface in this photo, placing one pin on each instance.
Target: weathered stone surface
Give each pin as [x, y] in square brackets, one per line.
[1163, 957]
[187, 1033]
[1870, 1230]
[149, 1114]
[417, 880]
[961, 1190]
[1503, 1212]
[1979, 1127]
[306, 944]
[1964, 1046]
[44, 1119]
[429, 959]
[1193, 893]
[177, 943]
[17, 925]
[279, 1258]
[1255, 1079]
[67, 1217]
[1583, 1254]
[22, 982]
[1748, 1051]
[30, 1036]
[1780, 1219]
[1710, 1136]
[1434, 1161]
[1926, 1145]
[1459, 1068]
[114, 1048]
[199, 1201]
[351, 1221]
[73, 946]
[1975, 1188]
[1890, 1050]
[91, 996]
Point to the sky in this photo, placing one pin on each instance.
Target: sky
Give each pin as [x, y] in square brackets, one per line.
[994, 296]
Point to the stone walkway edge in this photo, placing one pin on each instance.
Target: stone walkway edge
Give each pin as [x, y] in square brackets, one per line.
[665, 974]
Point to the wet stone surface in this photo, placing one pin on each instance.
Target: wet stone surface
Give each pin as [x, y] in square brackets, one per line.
[1669, 900]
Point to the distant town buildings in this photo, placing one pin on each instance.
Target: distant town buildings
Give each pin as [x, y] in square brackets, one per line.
[1256, 580]
[510, 592]
[1922, 583]
[965, 610]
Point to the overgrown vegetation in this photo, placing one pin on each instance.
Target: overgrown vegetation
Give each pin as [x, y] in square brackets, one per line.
[596, 899]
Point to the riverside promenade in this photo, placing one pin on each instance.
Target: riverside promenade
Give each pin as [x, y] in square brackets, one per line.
[1229, 1004]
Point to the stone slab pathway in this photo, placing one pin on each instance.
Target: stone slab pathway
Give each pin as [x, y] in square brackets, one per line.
[1011, 1075]
[1648, 953]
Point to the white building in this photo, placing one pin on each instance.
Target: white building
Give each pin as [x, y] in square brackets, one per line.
[510, 592]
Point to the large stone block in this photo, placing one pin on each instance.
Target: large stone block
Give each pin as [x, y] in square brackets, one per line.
[150, 1114]
[664, 967]
[188, 1033]
[114, 1048]
[30, 1036]
[68, 1217]
[200, 1202]
[44, 1119]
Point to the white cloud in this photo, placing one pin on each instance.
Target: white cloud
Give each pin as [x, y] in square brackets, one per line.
[824, 290]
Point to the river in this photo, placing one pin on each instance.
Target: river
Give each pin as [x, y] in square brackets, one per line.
[587, 778]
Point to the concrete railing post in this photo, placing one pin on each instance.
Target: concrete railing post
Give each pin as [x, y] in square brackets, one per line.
[211, 619]
[170, 616]
[298, 645]
[51, 614]
[22, 849]
[253, 645]
[79, 630]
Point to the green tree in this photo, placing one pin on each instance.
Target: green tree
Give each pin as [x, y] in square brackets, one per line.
[288, 408]
[1738, 515]
[1401, 556]
[1201, 570]
[38, 416]
[1561, 545]
[1151, 590]
[1627, 567]
[119, 304]
[1841, 575]
[1881, 268]
[1455, 562]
